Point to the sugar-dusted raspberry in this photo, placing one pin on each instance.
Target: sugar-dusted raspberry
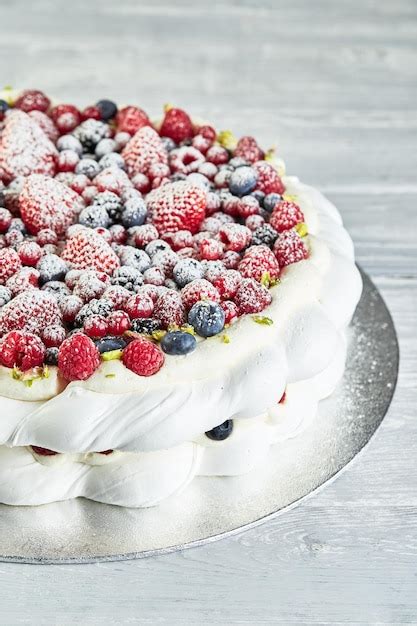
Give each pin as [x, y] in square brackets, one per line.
[153, 291]
[207, 132]
[46, 236]
[70, 307]
[32, 310]
[290, 248]
[143, 357]
[231, 205]
[248, 149]
[26, 278]
[46, 203]
[96, 326]
[112, 179]
[5, 219]
[247, 206]
[202, 144]
[210, 249]
[217, 155]
[177, 125]
[118, 234]
[213, 269]
[235, 236]
[143, 151]
[252, 297]
[78, 357]
[177, 206]
[131, 119]
[231, 259]
[79, 183]
[67, 161]
[47, 125]
[257, 262]
[211, 225]
[231, 312]
[87, 250]
[53, 336]
[286, 215]
[105, 233]
[213, 203]
[185, 159]
[158, 171]
[118, 323]
[268, 179]
[14, 238]
[254, 221]
[169, 309]
[29, 252]
[91, 113]
[10, 263]
[178, 240]
[21, 349]
[139, 305]
[118, 295]
[187, 253]
[196, 290]
[66, 117]
[166, 261]
[91, 284]
[32, 100]
[141, 182]
[228, 283]
[24, 148]
[154, 276]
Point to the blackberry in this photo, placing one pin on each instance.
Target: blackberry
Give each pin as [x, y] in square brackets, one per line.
[101, 307]
[51, 356]
[127, 277]
[111, 203]
[145, 325]
[94, 216]
[90, 132]
[264, 235]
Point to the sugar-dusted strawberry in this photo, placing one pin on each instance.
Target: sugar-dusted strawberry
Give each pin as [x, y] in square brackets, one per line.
[24, 148]
[47, 125]
[131, 119]
[85, 249]
[247, 148]
[31, 310]
[10, 263]
[268, 179]
[177, 125]
[252, 297]
[47, 203]
[177, 206]
[143, 357]
[290, 248]
[199, 289]
[21, 349]
[258, 262]
[32, 100]
[144, 150]
[286, 215]
[78, 357]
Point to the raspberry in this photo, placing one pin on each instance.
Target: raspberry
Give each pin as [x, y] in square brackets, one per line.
[87, 250]
[231, 205]
[257, 261]
[112, 179]
[210, 249]
[118, 234]
[213, 269]
[70, 307]
[24, 148]
[118, 295]
[143, 357]
[235, 236]
[228, 283]
[5, 220]
[247, 206]
[141, 183]
[185, 159]
[201, 143]
[158, 171]
[14, 238]
[96, 326]
[197, 290]
[79, 182]
[217, 155]
[47, 203]
[91, 284]
[248, 149]
[90, 113]
[21, 349]
[207, 132]
[285, 216]
[131, 119]
[32, 310]
[10, 263]
[268, 179]
[78, 357]
[169, 309]
[118, 322]
[177, 206]
[139, 305]
[252, 297]
[154, 276]
[46, 236]
[53, 336]
[32, 100]
[67, 161]
[180, 239]
[26, 278]
[29, 252]
[231, 259]
[177, 125]
[144, 150]
[211, 225]
[66, 117]
[290, 248]
[47, 125]
[254, 221]
[231, 312]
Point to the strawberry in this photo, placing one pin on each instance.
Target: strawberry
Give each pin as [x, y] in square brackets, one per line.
[24, 148]
[85, 249]
[144, 150]
[177, 125]
[177, 206]
[47, 125]
[32, 310]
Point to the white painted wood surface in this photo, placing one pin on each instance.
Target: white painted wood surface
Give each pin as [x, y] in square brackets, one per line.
[334, 85]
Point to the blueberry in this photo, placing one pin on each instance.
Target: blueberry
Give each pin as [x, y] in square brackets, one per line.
[5, 295]
[90, 132]
[243, 180]
[89, 167]
[134, 213]
[236, 162]
[107, 344]
[17, 224]
[219, 433]
[69, 142]
[56, 287]
[178, 342]
[51, 267]
[145, 325]
[270, 201]
[187, 270]
[169, 144]
[138, 259]
[3, 106]
[155, 246]
[105, 146]
[107, 108]
[51, 356]
[207, 318]
[94, 216]
[2, 199]
[111, 202]
[113, 159]
[259, 195]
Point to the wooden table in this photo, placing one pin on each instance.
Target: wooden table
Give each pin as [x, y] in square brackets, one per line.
[334, 85]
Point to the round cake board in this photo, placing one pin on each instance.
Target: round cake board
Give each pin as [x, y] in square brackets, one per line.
[83, 531]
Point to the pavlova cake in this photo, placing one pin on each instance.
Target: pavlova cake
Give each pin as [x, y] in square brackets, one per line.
[171, 303]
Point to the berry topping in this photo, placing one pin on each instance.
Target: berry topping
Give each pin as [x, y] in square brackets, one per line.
[32, 100]
[178, 342]
[21, 349]
[207, 318]
[177, 206]
[286, 215]
[53, 336]
[10, 263]
[176, 125]
[268, 179]
[252, 297]
[131, 119]
[258, 262]
[78, 357]
[31, 311]
[248, 149]
[290, 248]
[88, 250]
[144, 150]
[221, 432]
[143, 357]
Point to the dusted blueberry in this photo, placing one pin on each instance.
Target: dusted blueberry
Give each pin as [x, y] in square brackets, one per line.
[89, 167]
[259, 195]
[17, 224]
[108, 344]
[236, 162]
[91, 132]
[113, 159]
[145, 325]
[107, 108]
[105, 146]
[111, 202]
[5, 295]
[69, 142]
[134, 212]
[178, 342]
[219, 433]
[187, 270]
[207, 318]
[270, 201]
[3, 106]
[51, 356]
[169, 144]
[243, 181]
[57, 287]
[94, 216]
[51, 267]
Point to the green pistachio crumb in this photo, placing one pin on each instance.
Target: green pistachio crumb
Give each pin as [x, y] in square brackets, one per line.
[301, 229]
[226, 339]
[112, 355]
[110, 376]
[227, 139]
[158, 334]
[262, 319]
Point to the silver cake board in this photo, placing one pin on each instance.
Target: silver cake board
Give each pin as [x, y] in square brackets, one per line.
[82, 531]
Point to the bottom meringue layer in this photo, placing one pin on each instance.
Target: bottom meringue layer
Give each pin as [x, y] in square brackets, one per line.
[143, 479]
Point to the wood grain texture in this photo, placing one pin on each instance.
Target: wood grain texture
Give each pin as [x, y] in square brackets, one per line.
[334, 85]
